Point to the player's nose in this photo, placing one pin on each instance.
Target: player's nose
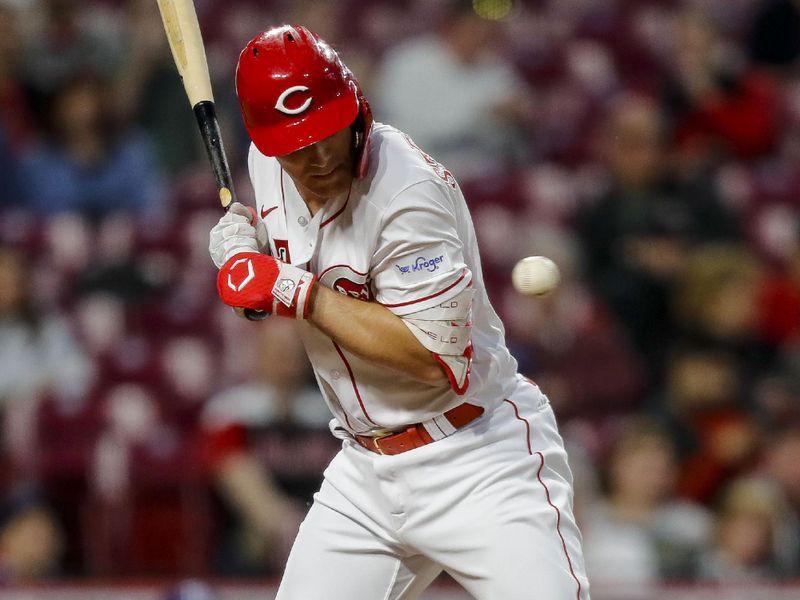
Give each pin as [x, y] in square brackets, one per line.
[321, 155]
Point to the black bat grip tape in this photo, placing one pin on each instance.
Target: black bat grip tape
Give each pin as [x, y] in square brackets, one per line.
[206, 116]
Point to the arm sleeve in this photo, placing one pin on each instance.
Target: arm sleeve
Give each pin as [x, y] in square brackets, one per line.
[419, 257]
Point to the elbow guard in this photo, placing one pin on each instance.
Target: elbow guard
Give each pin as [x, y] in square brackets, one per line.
[446, 330]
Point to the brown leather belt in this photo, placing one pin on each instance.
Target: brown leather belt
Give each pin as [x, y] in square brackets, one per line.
[416, 435]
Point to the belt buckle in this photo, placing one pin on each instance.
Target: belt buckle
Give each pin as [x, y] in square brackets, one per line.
[377, 438]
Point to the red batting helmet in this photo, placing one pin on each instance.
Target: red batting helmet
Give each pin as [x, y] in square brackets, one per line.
[294, 91]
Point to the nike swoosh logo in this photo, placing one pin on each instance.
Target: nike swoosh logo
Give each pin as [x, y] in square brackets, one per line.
[266, 211]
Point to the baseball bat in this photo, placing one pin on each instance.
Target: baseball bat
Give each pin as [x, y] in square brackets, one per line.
[186, 43]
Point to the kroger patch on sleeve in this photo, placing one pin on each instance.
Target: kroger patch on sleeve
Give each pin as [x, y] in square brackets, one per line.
[423, 265]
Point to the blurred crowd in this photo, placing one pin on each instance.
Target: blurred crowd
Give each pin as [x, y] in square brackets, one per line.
[650, 147]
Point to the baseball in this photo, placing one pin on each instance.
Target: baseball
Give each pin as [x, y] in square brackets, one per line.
[535, 276]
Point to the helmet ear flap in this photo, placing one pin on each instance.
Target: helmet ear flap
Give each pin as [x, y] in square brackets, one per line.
[358, 133]
[362, 127]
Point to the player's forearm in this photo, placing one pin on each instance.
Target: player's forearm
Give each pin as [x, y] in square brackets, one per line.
[250, 280]
[373, 333]
[244, 484]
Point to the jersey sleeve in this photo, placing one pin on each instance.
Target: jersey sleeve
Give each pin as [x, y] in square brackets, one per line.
[419, 258]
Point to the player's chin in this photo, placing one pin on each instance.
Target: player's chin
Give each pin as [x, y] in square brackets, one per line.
[333, 184]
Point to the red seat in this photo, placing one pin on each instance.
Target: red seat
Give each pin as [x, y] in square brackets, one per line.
[161, 525]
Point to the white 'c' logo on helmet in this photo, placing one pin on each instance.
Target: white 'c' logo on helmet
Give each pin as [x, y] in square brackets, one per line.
[281, 106]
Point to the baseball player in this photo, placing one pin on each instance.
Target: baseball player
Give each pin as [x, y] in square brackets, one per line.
[450, 459]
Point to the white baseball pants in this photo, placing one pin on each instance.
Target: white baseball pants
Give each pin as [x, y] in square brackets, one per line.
[491, 505]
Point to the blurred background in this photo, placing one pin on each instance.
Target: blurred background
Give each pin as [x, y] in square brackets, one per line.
[650, 147]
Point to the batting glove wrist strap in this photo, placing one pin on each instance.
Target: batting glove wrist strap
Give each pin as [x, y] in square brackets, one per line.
[292, 291]
[260, 282]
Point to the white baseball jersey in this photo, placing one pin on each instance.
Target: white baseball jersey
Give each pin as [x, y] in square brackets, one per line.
[490, 503]
[402, 237]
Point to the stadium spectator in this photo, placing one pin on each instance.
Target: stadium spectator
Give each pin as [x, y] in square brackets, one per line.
[15, 113]
[716, 301]
[746, 527]
[89, 162]
[775, 397]
[703, 411]
[39, 358]
[640, 533]
[782, 468]
[717, 103]
[454, 95]
[637, 233]
[30, 541]
[67, 40]
[267, 443]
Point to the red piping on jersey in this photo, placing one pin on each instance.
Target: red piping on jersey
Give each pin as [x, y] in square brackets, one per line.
[334, 266]
[439, 293]
[547, 495]
[355, 385]
[460, 390]
[283, 201]
[344, 412]
[326, 221]
[341, 210]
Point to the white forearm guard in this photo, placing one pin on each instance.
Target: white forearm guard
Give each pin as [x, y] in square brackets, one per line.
[446, 330]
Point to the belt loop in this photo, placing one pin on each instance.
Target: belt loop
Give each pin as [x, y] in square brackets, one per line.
[421, 435]
[376, 443]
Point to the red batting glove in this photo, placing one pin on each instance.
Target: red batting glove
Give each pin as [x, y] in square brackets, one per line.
[263, 283]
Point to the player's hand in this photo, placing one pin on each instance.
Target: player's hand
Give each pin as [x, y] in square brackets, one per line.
[263, 283]
[239, 230]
